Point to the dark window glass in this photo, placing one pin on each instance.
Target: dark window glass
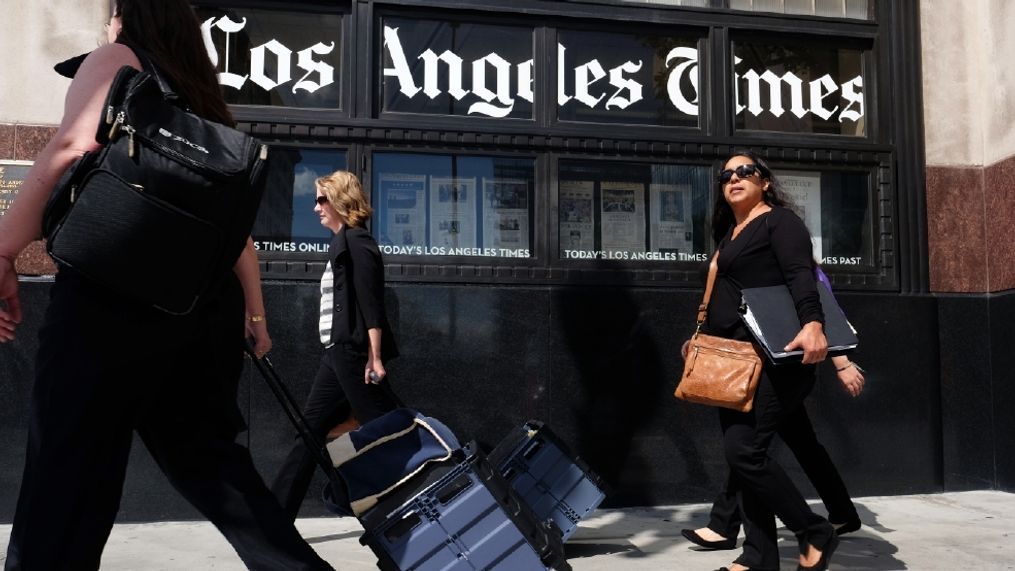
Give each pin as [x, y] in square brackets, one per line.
[286, 221]
[271, 57]
[453, 205]
[799, 89]
[456, 68]
[633, 211]
[627, 78]
[836, 207]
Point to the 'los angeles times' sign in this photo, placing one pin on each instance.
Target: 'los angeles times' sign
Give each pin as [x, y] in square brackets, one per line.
[496, 83]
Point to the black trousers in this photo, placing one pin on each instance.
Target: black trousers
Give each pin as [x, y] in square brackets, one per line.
[766, 490]
[798, 434]
[107, 367]
[338, 387]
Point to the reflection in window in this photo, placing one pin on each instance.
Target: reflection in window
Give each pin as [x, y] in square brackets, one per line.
[457, 68]
[453, 205]
[836, 208]
[701, 3]
[799, 89]
[633, 211]
[856, 9]
[627, 78]
[271, 57]
[286, 221]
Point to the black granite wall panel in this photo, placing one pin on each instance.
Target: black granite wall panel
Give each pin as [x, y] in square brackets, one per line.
[598, 364]
[1002, 331]
[968, 425]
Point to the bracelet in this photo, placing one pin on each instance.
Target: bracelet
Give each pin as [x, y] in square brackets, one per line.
[851, 364]
[256, 318]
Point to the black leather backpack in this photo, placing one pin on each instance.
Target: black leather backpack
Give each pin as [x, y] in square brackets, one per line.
[164, 209]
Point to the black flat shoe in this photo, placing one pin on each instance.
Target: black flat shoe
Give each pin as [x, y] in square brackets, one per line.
[848, 527]
[826, 556]
[698, 540]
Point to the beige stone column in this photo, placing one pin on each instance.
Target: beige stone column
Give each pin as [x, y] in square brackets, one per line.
[969, 121]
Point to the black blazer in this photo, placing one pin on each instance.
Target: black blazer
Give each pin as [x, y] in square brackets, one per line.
[359, 292]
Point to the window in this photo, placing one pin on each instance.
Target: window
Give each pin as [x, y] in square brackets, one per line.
[275, 58]
[836, 207]
[627, 78]
[633, 211]
[457, 68]
[799, 88]
[856, 9]
[287, 222]
[453, 205]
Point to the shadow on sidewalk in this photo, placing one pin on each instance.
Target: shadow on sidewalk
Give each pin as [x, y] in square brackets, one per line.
[648, 532]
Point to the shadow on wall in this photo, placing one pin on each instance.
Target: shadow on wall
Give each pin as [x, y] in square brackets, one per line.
[617, 365]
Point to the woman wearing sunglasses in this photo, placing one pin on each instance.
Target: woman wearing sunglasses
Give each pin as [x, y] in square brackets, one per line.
[353, 329]
[763, 243]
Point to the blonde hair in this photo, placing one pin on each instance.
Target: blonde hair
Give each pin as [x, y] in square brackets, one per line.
[345, 194]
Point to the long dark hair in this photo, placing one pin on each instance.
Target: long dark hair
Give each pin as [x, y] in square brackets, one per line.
[722, 213]
[169, 31]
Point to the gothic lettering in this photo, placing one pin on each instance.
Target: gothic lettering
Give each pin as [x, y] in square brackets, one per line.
[260, 56]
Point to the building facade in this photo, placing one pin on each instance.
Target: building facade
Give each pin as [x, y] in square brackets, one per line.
[542, 176]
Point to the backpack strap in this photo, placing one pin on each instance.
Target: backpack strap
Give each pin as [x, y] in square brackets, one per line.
[148, 65]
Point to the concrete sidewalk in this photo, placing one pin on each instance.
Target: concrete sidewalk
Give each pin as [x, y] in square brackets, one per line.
[955, 531]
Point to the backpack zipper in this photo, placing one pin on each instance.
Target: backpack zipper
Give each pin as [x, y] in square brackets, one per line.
[117, 122]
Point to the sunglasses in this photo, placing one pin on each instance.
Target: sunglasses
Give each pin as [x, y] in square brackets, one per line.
[742, 172]
[321, 200]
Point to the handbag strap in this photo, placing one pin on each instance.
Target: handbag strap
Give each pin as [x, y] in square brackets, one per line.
[713, 269]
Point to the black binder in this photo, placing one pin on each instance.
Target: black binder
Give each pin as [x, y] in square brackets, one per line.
[770, 315]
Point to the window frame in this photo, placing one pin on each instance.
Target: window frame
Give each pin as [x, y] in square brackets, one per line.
[900, 234]
[269, 113]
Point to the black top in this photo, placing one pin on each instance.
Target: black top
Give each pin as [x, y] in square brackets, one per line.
[773, 249]
[359, 292]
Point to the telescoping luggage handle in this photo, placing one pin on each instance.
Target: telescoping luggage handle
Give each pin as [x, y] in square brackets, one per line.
[285, 398]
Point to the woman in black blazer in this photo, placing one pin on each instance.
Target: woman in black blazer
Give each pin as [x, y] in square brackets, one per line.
[354, 331]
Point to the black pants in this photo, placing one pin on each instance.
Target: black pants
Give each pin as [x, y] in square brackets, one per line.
[798, 434]
[107, 367]
[765, 488]
[338, 387]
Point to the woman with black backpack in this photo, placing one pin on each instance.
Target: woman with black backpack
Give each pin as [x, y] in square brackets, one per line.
[109, 366]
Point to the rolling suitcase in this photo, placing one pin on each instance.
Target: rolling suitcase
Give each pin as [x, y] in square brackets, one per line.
[455, 514]
[543, 471]
[460, 515]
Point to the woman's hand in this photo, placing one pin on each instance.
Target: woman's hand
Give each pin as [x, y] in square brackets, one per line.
[258, 331]
[812, 340]
[375, 366]
[849, 375]
[10, 309]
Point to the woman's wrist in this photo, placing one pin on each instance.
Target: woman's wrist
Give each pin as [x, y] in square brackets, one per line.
[255, 317]
[844, 367]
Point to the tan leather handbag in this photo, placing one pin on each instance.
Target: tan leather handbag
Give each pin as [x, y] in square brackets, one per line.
[718, 371]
